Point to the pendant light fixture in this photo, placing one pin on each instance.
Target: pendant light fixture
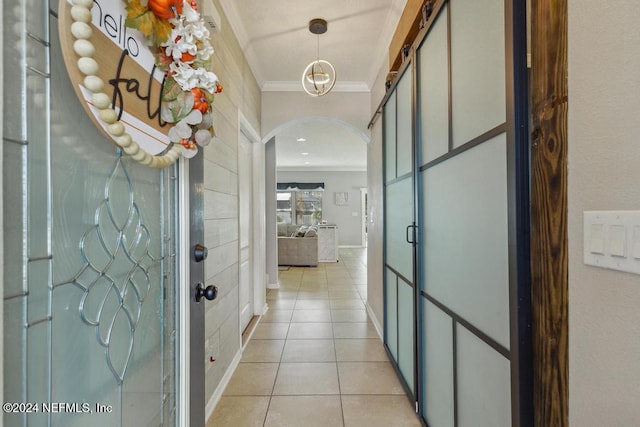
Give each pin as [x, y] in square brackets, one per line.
[320, 76]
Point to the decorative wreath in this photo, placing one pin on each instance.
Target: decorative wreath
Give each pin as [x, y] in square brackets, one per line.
[179, 40]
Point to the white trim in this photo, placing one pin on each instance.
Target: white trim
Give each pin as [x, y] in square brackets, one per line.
[375, 321]
[183, 367]
[264, 309]
[258, 220]
[273, 286]
[350, 246]
[217, 394]
[295, 86]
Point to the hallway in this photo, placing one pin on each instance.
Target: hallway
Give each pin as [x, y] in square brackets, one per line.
[315, 359]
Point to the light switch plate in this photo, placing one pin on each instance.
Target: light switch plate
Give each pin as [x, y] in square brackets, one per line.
[612, 240]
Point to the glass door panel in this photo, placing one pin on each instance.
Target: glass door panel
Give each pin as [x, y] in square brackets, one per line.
[390, 137]
[478, 88]
[391, 312]
[437, 372]
[406, 351]
[434, 95]
[404, 126]
[468, 226]
[90, 312]
[399, 200]
[465, 237]
[399, 222]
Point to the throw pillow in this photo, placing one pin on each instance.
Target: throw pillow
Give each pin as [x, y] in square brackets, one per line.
[310, 233]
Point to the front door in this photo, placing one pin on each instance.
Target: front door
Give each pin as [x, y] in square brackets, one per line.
[90, 249]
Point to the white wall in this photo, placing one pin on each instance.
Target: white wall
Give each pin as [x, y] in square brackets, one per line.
[241, 93]
[349, 226]
[270, 215]
[604, 174]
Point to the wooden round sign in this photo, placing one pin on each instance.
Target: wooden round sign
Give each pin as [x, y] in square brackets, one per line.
[116, 78]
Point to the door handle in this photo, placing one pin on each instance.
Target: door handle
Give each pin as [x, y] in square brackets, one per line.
[413, 234]
[210, 292]
[200, 252]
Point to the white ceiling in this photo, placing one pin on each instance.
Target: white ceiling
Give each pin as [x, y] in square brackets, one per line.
[329, 146]
[275, 38]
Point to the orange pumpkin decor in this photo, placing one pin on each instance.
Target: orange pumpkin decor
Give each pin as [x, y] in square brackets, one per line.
[199, 100]
[187, 57]
[165, 9]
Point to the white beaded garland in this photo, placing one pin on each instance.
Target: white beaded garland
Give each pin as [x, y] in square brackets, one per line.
[88, 66]
[101, 100]
[81, 14]
[124, 140]
[140, 155]
[81, 30]
[116, 129]
[132, 148]
[108, 115]
[84, 48]
[94, 84]
[84, 3]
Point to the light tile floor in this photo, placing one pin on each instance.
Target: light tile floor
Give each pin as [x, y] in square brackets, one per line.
[315, 359]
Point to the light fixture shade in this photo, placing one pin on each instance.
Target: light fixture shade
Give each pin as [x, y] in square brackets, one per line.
[318, 78]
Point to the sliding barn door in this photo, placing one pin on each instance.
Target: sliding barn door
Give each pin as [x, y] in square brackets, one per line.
[399, 249]
[470, 215]
[457, 217]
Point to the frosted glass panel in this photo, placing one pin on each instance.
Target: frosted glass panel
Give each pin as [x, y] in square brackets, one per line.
[434, 91]
[465, 221]
[390, 137]
[405, 332]
[391, 313]
[399, 214]
[405, 123]
[437, 366]
[484, 385]
[477, 67]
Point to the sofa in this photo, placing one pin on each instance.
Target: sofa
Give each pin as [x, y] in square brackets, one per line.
[297, 245]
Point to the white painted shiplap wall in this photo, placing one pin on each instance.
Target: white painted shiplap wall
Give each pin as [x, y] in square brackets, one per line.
[241, 94]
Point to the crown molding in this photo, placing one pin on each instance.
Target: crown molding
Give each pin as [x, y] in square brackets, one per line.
[296, 86]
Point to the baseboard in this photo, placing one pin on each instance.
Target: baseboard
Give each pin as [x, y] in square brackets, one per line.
[350, 246]
[375, 321]
[217, 395]
[273, 286]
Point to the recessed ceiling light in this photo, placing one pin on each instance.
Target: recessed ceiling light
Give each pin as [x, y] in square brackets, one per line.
[305, 154]
[301, 140]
